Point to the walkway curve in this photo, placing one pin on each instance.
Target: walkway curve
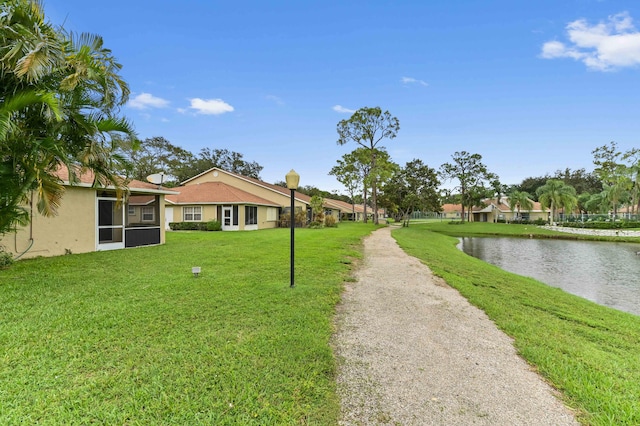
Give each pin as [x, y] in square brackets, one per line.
[412, 351]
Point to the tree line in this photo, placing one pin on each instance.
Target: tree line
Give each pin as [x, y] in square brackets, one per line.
[402, 190]
[156, 154]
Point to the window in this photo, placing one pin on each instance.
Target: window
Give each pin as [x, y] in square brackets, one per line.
[148, 214]
[250, 215]
[192, 214]
[132, 210]
[272, 214]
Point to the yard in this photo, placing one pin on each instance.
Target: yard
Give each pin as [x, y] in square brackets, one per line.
[132, 337]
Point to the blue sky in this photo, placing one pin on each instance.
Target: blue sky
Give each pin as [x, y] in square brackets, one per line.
[532, 86]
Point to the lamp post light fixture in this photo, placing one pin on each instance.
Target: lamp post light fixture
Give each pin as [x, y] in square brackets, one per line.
[292, 179]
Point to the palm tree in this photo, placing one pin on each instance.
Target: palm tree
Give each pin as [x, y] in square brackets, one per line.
[615, 191]
[633, 157]
[520, 200]
[59, 96]
[556, 194]
[597, 203]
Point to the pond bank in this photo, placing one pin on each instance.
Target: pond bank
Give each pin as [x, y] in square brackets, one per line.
[595, 232]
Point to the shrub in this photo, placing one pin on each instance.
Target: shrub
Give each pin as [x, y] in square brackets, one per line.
[523, 222]
[315, 225]
[539, 222]
[190, 226]
[330, 222]
[214, 225]
[300, 216]
[6, 258]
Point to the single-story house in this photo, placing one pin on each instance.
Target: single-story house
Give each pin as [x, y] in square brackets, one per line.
[244, 203]
[452, 211]
[234, 200]
[341, 209]
[498, 210]
[235, 209]
[91, 219]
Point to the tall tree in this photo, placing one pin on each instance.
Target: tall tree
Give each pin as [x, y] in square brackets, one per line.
[59, 99]
[555, 194]
[613, 173]
[597, 203]
[632, 157]
[616, 191]
[156, 154]
[580, 180]
[472, 176]
[349, 174]
[412, 188]
[358, 161]
[606, 158]
[582, 202]
[531, 184]
[225, 159]
[367, 127]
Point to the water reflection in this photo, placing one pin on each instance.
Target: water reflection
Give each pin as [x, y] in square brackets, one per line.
[606, 273]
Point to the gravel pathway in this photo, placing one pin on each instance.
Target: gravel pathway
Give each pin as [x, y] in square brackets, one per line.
[412, 351]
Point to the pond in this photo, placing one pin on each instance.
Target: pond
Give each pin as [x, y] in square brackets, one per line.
[603, 272]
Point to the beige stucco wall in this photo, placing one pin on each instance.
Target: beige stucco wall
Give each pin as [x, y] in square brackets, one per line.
[210, 212]
[332, 212]
[263, 223]
[161, 222]
[72, 230]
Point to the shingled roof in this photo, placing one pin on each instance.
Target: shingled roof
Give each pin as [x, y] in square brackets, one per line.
[280, 189]
[86, 179]
[215, 193]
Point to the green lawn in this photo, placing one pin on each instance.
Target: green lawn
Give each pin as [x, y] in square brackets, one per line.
[589, 352]
[131, 337]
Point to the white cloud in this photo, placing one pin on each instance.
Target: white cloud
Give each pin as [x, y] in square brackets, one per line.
[147, 100]
[275, 99]
[210, 106]
[411, 80]
[341, 109]
[602, 47]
